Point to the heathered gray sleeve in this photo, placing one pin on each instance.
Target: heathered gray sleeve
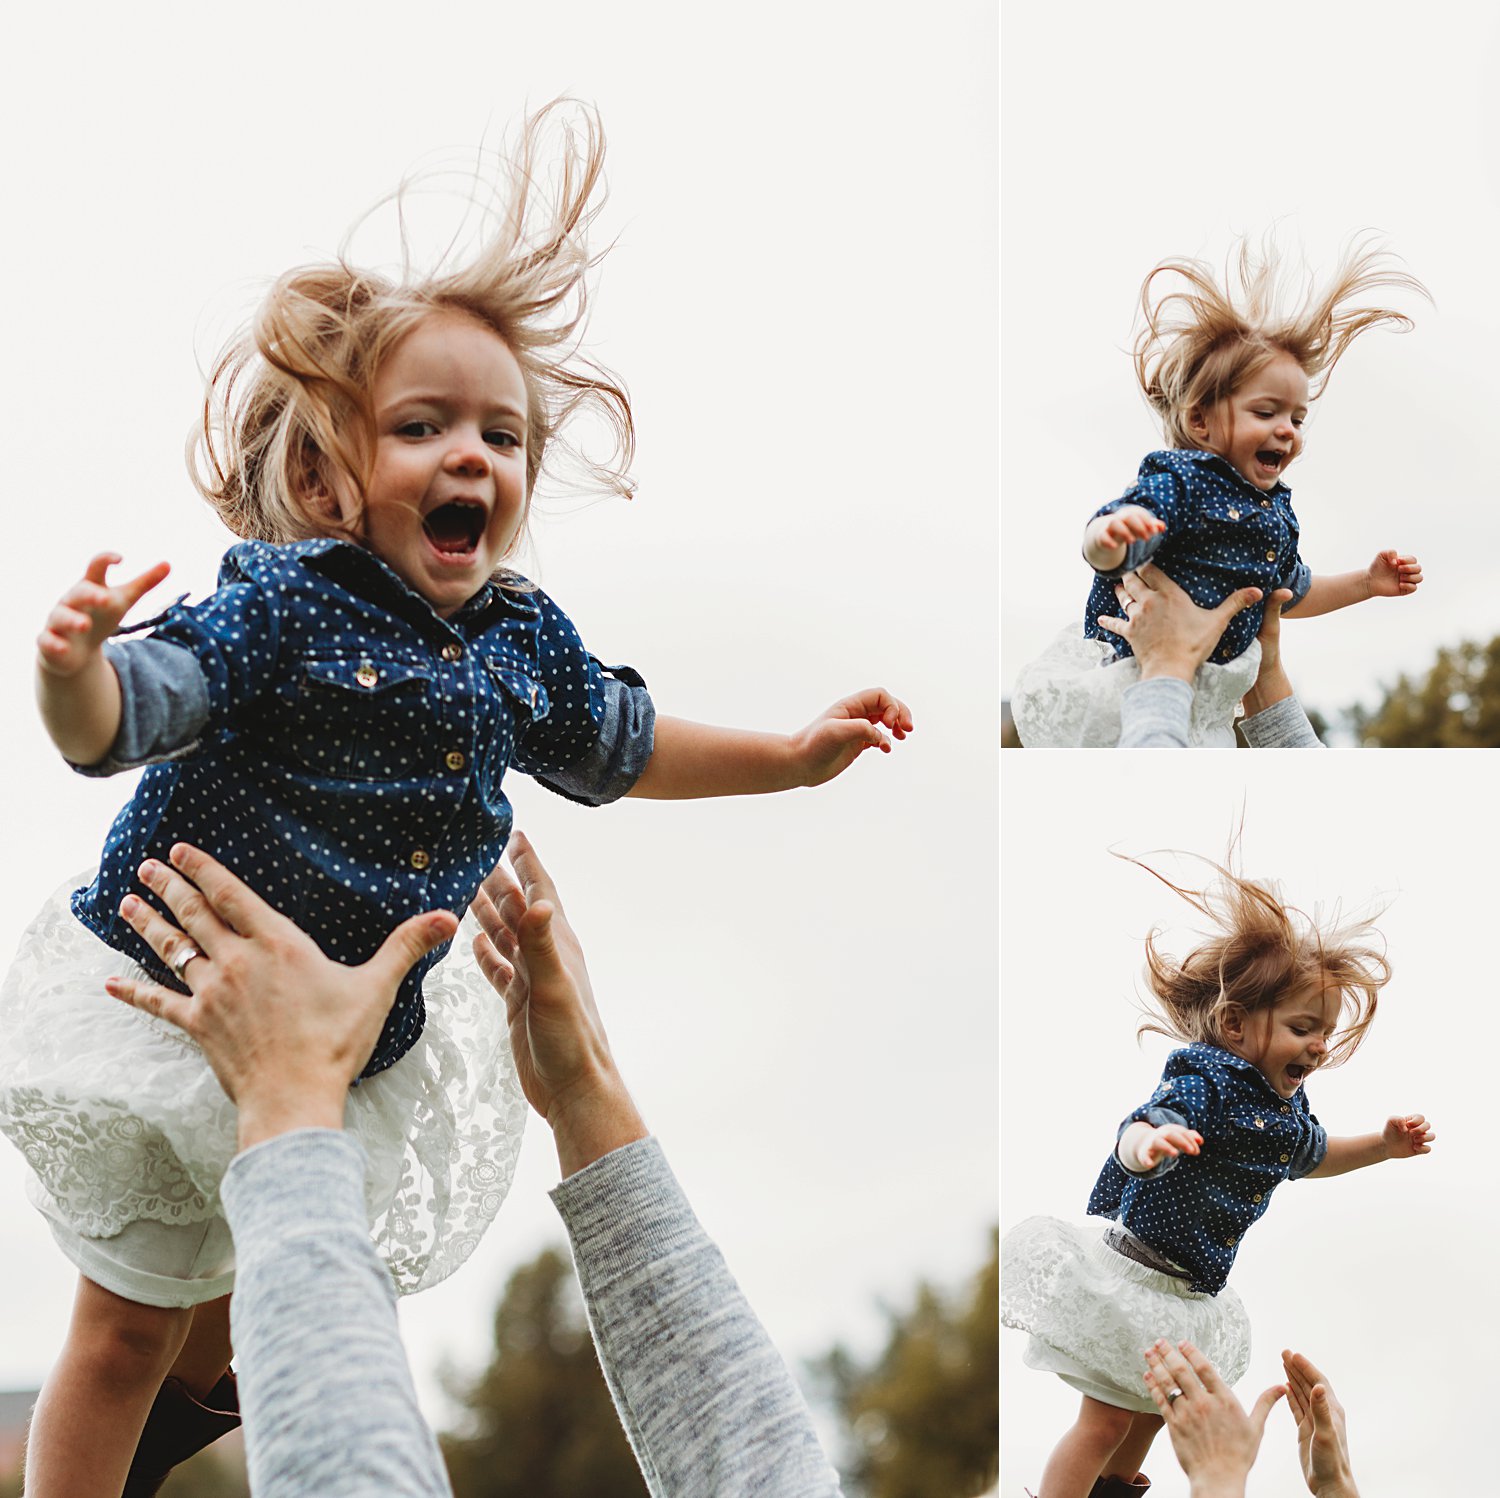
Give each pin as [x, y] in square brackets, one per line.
[705, 1398]
[163, 704]
[329, 1406]
[1283, 725]
[1154, 714]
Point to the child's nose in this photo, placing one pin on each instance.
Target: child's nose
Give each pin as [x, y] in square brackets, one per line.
[467, 458]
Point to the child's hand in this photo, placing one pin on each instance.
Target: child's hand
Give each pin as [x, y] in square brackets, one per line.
[830, 744]
[1406, 1136]
[1128, 523]
[1393, 575]
[87, 614]
[1167, 1142]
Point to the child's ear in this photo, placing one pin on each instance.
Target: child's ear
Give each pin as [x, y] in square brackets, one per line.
[1197, 422]
[1232, 1023]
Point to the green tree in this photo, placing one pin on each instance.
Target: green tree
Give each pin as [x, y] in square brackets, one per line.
[540, 1420]
[1456, 705]
[923, 1417]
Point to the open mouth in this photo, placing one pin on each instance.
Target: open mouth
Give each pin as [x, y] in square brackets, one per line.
[1296, 1075]
[1270, 459]
[455, 528]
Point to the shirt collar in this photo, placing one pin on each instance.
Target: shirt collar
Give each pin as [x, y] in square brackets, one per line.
[1225, 467]
[351, 564]
[1216, 1055]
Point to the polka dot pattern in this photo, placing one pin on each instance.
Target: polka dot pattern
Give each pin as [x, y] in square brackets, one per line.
[1195, 1208]
[350, 770]
[1222, 534]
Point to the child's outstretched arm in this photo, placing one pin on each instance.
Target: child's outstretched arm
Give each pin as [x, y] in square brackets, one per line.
[76, 687]
[1106, 538]
[1402, 1138]
[1390, 575]
[695, 759]
[1143, 1146]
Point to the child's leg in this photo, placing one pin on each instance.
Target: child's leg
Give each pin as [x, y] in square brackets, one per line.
[1130, 1454]
[206, 1352]
[91, 1409]
[1079, 1458]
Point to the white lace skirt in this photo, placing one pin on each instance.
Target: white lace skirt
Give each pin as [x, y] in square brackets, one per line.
[1069, 698]
[1092, 1312]
[122, 1120]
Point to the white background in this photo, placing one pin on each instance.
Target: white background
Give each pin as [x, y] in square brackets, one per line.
[1138, 132]
[1382, 1277]
[800, 989]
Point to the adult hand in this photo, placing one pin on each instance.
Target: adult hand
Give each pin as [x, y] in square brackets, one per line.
[529, 953]
[1271, 684]
[1169, 633]
[1322, 1441]
[1215, 1440]
[285, 1028]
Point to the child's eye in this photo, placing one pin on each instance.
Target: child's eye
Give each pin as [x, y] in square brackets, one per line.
[502, 439]
[415, 429]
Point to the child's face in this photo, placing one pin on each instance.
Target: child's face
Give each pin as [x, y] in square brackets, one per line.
[448, 492]
[1289, 1041]
[1258, 429]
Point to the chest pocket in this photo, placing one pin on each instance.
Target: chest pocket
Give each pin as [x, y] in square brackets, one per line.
[356, 717]
[1262, 1137]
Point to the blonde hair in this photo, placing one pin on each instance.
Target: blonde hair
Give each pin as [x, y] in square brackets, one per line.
[288, 407]
[1201, 341]
[1260, 952]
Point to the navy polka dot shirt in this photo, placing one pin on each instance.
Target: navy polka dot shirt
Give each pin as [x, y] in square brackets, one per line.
[1194, 1209]
[341, 748]
[1222, 534]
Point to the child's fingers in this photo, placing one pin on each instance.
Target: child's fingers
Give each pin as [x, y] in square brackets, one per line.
[137, 588]
[99, 565]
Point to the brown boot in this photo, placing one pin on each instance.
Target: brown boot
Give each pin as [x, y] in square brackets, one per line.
[178, 1427]
[1117, 1487]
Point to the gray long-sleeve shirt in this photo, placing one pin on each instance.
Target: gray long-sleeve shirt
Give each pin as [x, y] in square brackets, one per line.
[329, 1405]
[1154, 715]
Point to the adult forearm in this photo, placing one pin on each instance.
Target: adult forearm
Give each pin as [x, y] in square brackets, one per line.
[697, 759]
[1155, 714]
[326, 1392]
[81, 712]
[706, 1400]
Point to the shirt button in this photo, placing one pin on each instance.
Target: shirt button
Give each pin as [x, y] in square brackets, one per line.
[1234, 514]
[1265, 504]
[1286, 1107]
[1270, 556]
[1230, 1242]
[1257, 1198]
[1260, 1123]
[453, 651]
[367, 675]
[1285, 1159]
[420, 858]
[454, 759]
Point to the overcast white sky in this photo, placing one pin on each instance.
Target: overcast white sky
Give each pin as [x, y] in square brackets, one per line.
[1134, 133]
[801, 989]
[1381, 1276]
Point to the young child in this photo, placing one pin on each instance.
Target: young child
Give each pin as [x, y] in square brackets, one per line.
[334, 723]
[1232, 382]
[1260, 1005]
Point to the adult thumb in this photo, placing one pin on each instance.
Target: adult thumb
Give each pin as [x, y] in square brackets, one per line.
[1264, 1405]
[1239, 601]
[412, 940]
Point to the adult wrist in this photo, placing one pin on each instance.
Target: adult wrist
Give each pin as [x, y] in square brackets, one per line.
[593, 1120]
[266, 1115]
[1179, 668]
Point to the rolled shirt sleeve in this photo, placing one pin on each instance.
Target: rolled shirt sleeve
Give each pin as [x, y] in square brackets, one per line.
[615, 760]
[1164, 494]
[163, 705]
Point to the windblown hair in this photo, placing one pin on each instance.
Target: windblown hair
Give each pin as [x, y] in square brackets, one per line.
[288, 410]
[1260, 951]
[1202, 339]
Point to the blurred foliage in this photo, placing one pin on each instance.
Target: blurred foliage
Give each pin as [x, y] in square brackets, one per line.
[1456, 705]
[218, 1472]
[540, 1422]
[923, 1417]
